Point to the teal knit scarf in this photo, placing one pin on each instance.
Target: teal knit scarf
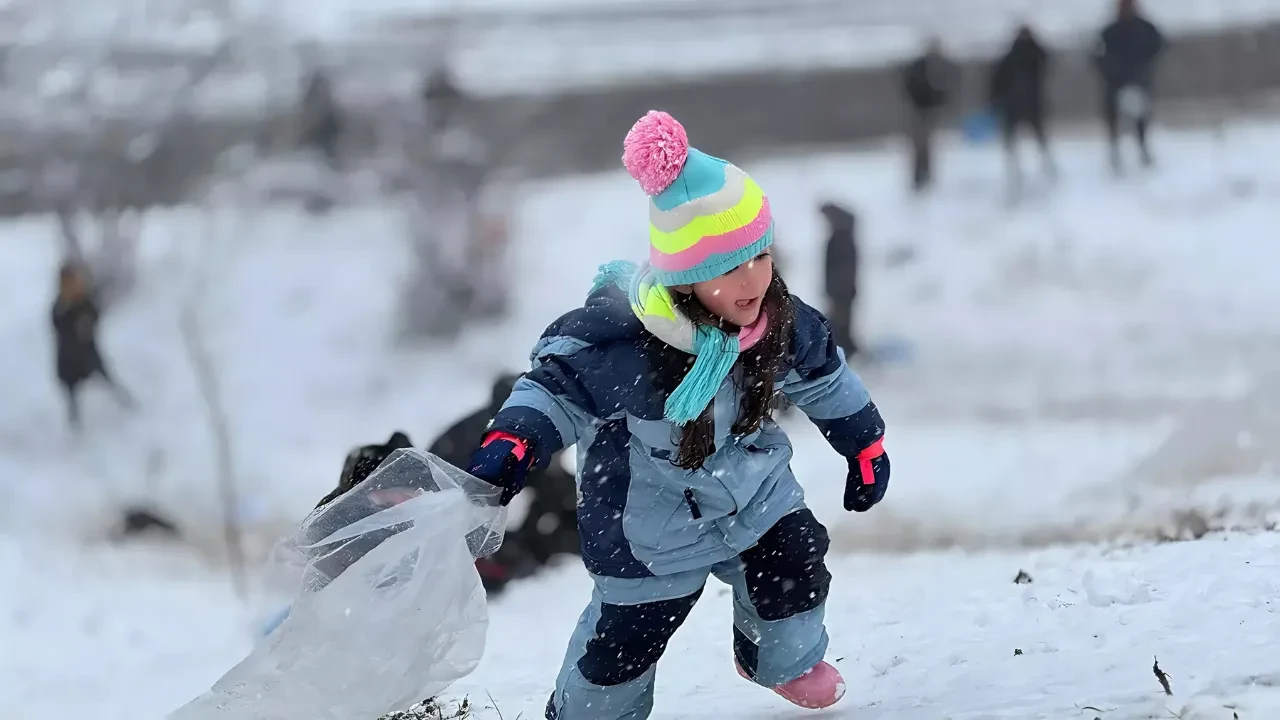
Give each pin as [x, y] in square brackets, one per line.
[714, 350]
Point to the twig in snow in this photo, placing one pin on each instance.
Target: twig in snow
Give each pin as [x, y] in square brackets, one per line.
[1162, 676]
[219, 426]
[1094, 709]
[497, 709]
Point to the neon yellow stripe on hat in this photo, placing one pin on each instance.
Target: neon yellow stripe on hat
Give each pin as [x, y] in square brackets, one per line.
[740, 215]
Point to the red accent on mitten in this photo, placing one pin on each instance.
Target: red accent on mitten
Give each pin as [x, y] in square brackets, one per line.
[864, 458]
[521, 447]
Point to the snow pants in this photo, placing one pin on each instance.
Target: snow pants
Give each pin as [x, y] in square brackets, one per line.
[780, 588]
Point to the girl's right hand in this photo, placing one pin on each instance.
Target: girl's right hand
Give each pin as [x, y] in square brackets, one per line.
[503, 460]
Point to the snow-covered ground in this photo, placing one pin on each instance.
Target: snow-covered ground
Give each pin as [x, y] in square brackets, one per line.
[917, 637]
[1054, 346]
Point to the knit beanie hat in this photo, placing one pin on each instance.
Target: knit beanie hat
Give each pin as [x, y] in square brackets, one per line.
[706, 216]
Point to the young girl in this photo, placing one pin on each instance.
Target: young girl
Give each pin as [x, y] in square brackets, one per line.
[664, 381]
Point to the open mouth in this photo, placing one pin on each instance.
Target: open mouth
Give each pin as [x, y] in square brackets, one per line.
[746, 304]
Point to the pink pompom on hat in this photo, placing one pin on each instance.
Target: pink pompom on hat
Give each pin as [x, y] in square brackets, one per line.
[706, 216]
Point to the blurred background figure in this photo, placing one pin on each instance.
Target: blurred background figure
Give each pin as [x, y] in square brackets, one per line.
[321, 118]
[442, 98]
[75, 328]
[1126, 57]
[840, 274]
[549, 527]
[459, 220]
[929, 84]
[1017, 93]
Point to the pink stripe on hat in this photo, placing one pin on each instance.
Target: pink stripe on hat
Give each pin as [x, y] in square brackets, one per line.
[714, 244]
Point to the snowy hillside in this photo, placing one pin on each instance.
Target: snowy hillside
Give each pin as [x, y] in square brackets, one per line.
[1054, 347]
[531, 46]
[500, 55]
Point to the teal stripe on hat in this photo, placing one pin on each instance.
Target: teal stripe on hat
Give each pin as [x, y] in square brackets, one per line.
[702, 175]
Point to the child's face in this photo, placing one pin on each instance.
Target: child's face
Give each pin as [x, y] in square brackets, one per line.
[738, 295]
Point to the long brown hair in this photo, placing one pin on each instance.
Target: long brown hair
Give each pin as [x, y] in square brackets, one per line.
[760, 365]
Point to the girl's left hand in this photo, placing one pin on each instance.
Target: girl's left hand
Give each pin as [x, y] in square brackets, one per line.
[868, 478]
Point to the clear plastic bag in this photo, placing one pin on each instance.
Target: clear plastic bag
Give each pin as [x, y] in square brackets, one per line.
[389, 609]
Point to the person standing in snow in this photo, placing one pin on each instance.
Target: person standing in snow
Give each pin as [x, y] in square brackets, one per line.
[1018, 98]
[75, 329]
[664, 380]
[321, 122]
[442, 99]
[840, 270]
[1126, 56]
[928, 87]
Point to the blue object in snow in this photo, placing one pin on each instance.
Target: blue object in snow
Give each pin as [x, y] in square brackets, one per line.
[275, 620]
[980, 127]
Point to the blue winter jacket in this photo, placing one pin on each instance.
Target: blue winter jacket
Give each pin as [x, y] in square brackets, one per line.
[592, 383]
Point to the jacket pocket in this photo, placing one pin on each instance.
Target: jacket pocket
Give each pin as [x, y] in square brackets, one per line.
[692, 502]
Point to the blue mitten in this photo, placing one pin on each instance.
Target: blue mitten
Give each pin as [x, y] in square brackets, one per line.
[868, 478]
[503, 460]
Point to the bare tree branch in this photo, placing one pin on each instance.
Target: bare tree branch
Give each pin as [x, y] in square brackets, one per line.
[220, 428]
[72, 248]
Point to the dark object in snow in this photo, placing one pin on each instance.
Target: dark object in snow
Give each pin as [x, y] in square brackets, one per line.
[141, 521]
[550, 527]
[1022, 578]
[525, 549]
[318, 204]
[1162, 676]
[1017, 652]
[429, 709]
[362, 461]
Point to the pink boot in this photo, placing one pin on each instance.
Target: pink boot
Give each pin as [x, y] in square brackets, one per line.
[820, 687]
